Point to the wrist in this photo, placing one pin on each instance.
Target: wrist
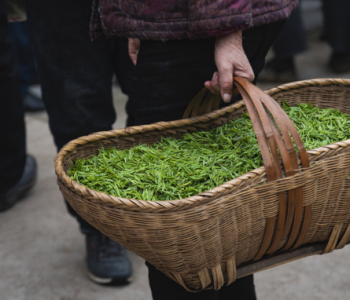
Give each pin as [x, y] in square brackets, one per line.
[236, 35]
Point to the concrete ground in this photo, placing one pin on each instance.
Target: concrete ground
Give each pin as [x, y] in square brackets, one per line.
[42, 252]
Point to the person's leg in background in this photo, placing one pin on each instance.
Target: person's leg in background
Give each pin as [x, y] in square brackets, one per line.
[337, 27]
[167, 76]
[17, 169]
[21, 41]
[76, 79]
[281, 68]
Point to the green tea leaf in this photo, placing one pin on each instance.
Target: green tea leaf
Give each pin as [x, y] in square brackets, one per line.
[199, 161]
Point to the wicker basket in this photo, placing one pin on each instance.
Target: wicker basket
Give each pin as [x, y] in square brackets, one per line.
[199, 241]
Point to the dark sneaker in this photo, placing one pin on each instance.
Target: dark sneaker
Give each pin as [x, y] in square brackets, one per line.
[340, 62]
[26, 182]
[107, 261]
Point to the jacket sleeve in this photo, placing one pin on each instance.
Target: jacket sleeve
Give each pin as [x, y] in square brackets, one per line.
[219, 17]
[182, 19]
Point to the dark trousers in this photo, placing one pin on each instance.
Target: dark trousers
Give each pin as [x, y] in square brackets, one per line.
[21, 42]
[293, 37]
[164, 288]
[76, 82]
[12, 128]
[75, 73]
[337, 24]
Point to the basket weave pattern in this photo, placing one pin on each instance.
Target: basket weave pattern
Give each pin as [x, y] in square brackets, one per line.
[199, 241]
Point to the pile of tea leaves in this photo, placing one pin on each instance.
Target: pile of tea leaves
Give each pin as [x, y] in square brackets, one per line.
[175, 169]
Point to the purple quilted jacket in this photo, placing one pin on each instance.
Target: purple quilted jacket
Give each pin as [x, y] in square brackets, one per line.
[182, 19]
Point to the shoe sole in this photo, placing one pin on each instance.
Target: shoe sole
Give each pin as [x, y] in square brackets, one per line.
[109, 281]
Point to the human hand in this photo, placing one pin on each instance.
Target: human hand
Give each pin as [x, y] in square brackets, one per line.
[231, 61]
[133, 49]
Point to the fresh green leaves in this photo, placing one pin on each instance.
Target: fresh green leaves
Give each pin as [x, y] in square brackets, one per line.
[175, 169]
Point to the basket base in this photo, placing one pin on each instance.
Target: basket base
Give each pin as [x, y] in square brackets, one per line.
[264, 264]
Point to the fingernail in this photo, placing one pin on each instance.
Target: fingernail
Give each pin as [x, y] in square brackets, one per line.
[227, 98]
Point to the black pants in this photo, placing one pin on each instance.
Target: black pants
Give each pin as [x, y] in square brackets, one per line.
[164, 288]
[75, 73]
[293, 37]
[12, 128]
[76, 82]
[337, 24]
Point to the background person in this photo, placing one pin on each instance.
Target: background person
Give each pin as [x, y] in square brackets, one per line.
[292, 41]
[18, 169]
[76, 81]
[337, 32]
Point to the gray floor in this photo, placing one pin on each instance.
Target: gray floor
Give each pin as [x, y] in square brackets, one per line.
[42, 251]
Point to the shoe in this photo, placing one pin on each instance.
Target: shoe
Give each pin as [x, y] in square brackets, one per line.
[26, 182]
[340, 62]
[107, 262]
[279, 71]
[32, 103]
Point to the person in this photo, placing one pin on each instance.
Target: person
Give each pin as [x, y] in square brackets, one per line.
[18, 170]
[292, 41]
[174, 57]
[76, 80]
[336, 25]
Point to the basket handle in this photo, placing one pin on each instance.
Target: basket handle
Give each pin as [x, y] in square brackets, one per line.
[204, 102]
[260, 107]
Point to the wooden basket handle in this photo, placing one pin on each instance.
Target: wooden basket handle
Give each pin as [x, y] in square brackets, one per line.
[261, 107]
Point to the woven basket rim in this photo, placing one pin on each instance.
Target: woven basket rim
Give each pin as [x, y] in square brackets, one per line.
[204, 196]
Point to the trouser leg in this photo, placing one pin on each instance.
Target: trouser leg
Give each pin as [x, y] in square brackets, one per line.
[337, 24]
[164, 288]
[167, 76]
[20, 37]
[75, 73]
[293, 38]
[12, 133]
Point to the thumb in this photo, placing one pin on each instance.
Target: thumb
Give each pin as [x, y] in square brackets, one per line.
[226, 82]
[133, 49]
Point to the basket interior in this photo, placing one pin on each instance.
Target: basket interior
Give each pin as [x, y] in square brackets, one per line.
[333, 96]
